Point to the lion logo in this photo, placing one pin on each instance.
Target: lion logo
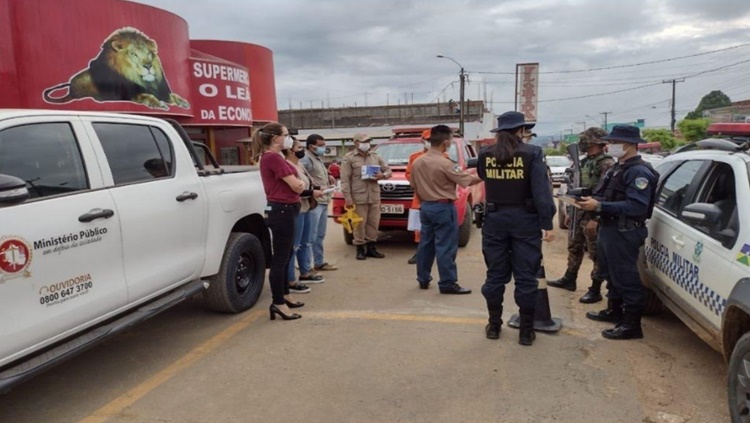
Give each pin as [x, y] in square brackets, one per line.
[128, 68]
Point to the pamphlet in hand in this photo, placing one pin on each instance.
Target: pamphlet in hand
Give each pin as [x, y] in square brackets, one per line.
[369, 171]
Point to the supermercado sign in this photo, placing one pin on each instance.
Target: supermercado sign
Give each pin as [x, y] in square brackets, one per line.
[221, 93]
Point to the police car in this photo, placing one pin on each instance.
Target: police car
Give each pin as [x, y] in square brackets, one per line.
[696, 259]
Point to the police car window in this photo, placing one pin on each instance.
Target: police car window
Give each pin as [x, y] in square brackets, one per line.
[720, 190]
[676, 185]
[133, 153]
[46, 156]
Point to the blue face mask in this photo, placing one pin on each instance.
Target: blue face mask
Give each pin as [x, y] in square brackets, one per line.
[320, 151]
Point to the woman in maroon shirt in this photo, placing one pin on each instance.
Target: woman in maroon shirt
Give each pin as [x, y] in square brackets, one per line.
[283, 188]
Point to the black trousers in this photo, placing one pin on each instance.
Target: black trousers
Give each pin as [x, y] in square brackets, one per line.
[618, 264]
[281, 219]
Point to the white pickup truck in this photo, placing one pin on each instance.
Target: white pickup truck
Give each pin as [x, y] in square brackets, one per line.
[108, 219]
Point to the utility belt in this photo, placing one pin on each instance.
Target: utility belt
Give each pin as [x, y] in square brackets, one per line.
[623, 223]
[528, 206]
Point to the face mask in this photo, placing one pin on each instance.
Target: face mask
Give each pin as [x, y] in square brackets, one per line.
[616, 150]
[300, 154]
[288, 143]
[320, 151]
[427, 144]
[365, 146]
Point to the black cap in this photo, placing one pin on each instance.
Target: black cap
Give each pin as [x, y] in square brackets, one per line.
[626, 133]
[511, 120]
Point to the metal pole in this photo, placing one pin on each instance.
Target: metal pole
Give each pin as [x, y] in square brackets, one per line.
[605, 119]
[674, 94]
[461, 114]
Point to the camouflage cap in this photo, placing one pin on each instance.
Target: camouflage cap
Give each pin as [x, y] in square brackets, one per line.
[593, 136]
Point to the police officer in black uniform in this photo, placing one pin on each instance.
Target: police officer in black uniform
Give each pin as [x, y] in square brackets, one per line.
[623, 200]
[519, 213]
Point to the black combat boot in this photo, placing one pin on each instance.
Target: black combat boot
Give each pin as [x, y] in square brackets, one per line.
[361, 252]
[372, 252]
[594, 295]
[526, 334]
[566, 282]
[613, 313]
[629, 328]
[494, 327]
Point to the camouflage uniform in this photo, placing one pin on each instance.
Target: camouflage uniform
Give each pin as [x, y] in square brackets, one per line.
[592, 170]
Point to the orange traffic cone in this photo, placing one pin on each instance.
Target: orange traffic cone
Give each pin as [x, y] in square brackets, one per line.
[543, 320]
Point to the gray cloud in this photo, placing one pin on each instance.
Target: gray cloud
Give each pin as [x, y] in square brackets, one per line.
[337, 50]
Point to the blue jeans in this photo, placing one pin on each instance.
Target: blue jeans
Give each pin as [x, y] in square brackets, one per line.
[439, 238]
[512, 247]
[301, 245]
[318, 226]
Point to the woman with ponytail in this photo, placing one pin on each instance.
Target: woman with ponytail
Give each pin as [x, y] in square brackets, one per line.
[283, 189]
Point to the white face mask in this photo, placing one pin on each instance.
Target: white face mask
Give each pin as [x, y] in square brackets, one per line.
[616, 150]
[288, 143]
[427, 144]
[365, 146]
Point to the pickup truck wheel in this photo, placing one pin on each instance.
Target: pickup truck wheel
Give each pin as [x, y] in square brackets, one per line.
[241, 276]
[348, 238]
[739, 381]
[653, 304]
[464, 231]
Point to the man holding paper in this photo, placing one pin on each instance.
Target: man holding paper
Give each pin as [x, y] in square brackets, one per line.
[361, 169]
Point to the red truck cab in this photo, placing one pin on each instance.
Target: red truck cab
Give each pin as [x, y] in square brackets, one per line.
[396, 194]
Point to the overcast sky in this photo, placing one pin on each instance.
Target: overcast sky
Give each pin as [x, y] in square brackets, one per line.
[373, 51]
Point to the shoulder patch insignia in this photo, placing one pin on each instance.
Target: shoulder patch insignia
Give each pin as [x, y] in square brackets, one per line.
[641, 183]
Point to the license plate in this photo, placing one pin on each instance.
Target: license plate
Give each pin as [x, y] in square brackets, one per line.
[392, 208]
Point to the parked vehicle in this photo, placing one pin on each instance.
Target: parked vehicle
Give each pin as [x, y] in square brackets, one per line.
[108, 219]
[696, 259]
[557, 165]
[397, 194]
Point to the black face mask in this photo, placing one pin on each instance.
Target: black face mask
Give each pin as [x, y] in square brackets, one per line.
[300, 154]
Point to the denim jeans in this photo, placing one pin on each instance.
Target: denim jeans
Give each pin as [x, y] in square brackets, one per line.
[318, 226]
[302, 250]
[439, 239]
[280, 220]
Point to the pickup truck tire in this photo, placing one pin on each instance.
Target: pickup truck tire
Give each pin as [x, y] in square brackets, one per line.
[738, 376]
[653, 304]
[348, 238]
[241, 276]
[464, 231]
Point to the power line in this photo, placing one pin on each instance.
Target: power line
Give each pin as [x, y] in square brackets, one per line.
[624, 66]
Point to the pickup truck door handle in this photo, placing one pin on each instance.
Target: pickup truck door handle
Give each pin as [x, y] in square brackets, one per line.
[96, 214]
[677, 241]
[187, 196]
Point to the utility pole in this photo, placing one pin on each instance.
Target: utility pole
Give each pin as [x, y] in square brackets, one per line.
[605, 119]
[674, 92]
[461, 99]
[582, 123]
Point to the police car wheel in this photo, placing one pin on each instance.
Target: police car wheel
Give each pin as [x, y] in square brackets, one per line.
[464, 231]
[348, 237]
[739, 381]
[653, 304]
[240, 280]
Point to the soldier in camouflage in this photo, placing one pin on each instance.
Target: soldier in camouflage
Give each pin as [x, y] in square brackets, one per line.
[585, 231]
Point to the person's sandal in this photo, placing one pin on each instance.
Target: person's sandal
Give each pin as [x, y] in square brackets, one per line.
[312, 278]
[326, 266]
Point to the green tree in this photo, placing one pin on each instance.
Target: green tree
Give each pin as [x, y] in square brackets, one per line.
[709, 101]
[663, 136]
[693, 129]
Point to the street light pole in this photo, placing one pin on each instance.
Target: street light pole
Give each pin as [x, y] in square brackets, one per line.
[461, 94]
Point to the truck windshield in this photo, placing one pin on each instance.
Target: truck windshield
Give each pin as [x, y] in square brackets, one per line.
[397, 153]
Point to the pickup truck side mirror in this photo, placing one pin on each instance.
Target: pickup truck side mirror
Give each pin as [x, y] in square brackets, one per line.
[471, 163]
[702, 214]
[12, 191]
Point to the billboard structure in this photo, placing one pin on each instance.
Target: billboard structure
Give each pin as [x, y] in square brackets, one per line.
[527, 90]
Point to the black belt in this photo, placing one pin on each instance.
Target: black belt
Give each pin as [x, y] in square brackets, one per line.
[443, 201]
[499, 206]
[608, 220]
[287, 205]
